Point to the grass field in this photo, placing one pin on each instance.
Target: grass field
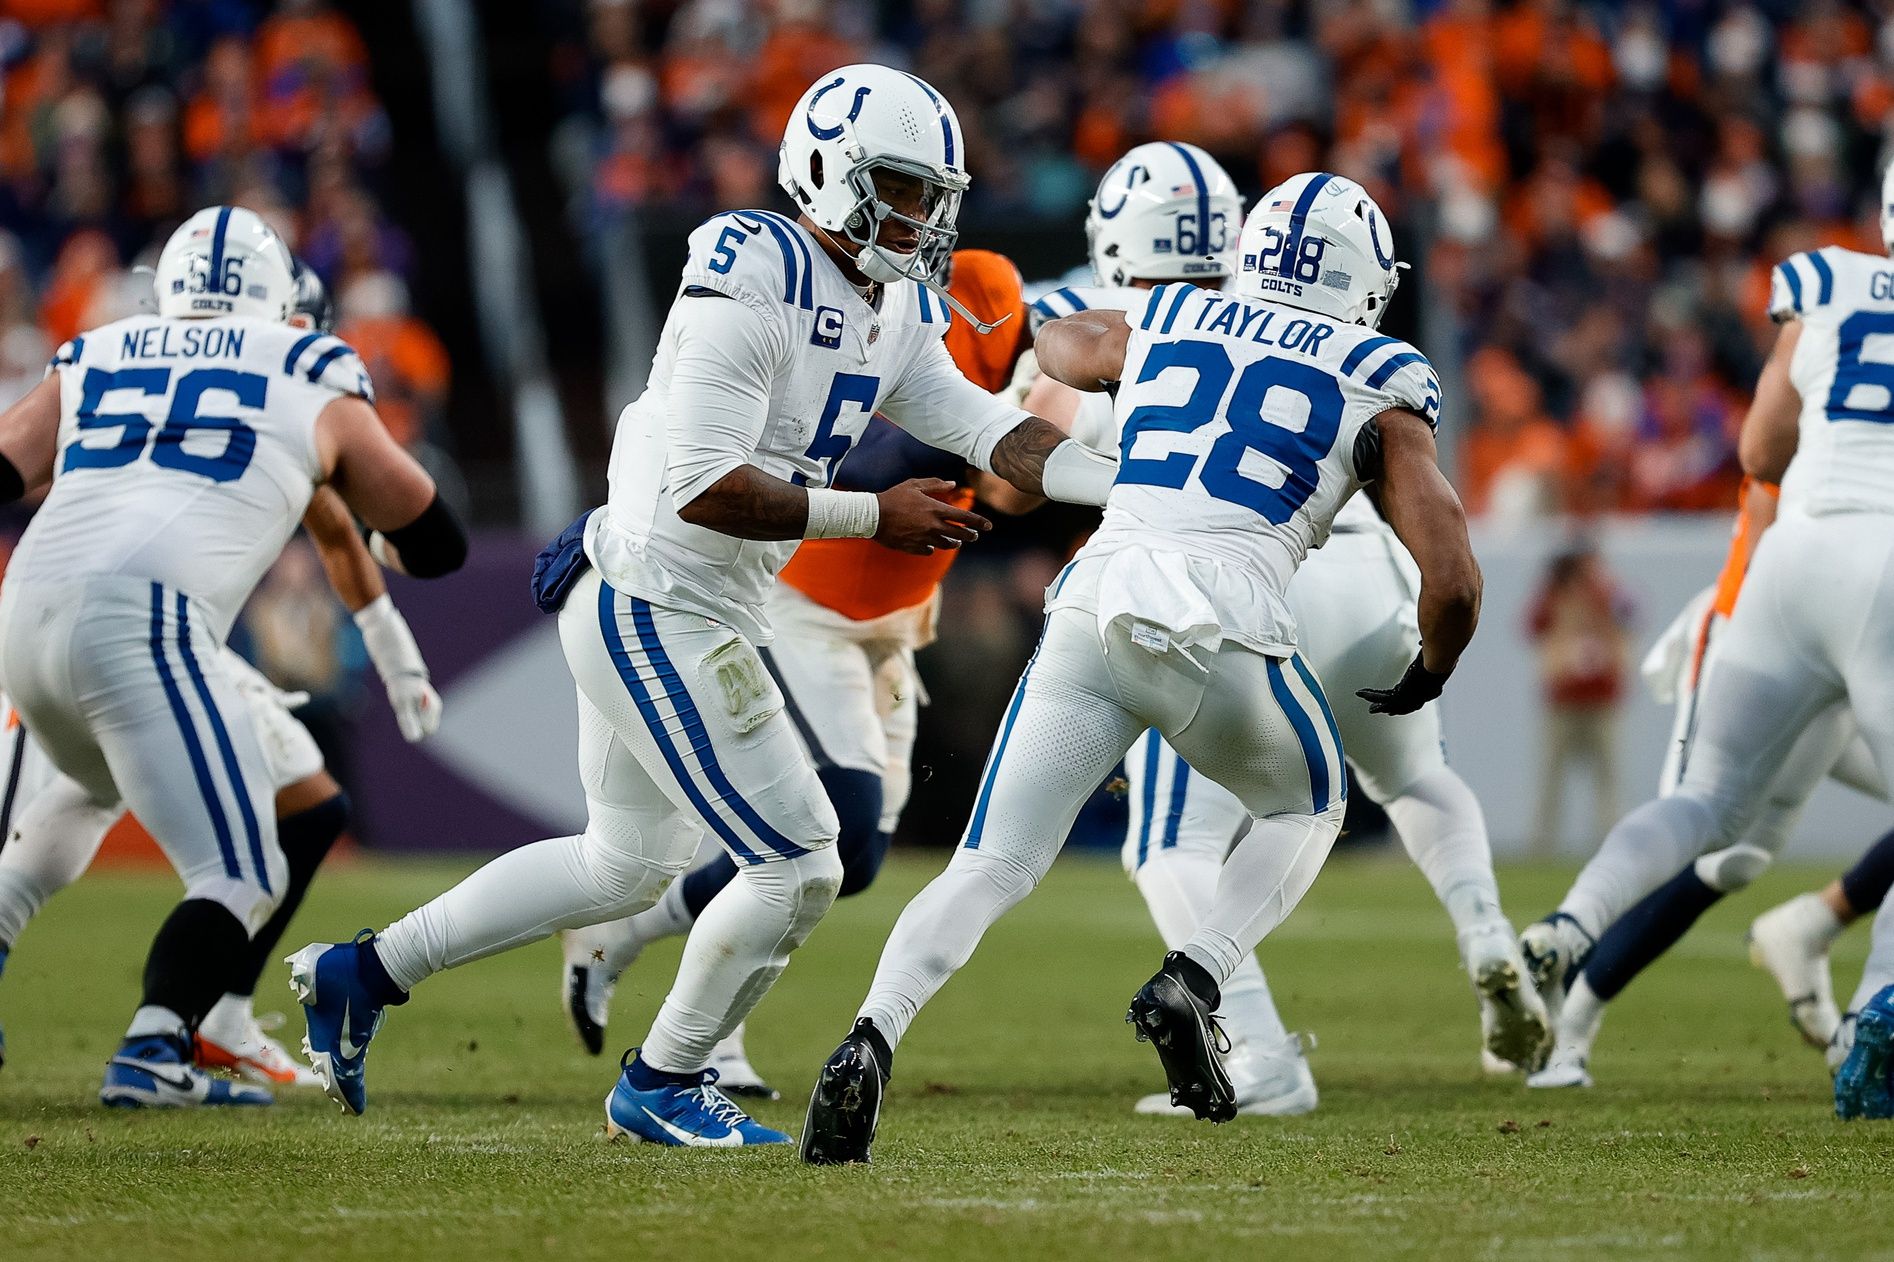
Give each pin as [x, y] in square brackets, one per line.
[1008, 1133]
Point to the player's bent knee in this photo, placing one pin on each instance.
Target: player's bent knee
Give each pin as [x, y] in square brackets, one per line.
[804, 886]
[1733, 867]
[857, 799]
[248, 901]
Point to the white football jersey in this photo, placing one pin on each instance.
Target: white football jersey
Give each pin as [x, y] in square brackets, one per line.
[187, 452]
[835, 362]
[1843, 368]
[1239, 419]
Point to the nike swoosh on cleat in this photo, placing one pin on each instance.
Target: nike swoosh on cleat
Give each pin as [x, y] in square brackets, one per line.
[182, 1083]
[682, 1136]
[350, 1049]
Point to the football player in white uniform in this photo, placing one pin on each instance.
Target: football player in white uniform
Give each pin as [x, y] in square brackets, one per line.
[1820, 425]
[1249, 418]
[786, 336]
[57, 840]
[1353, 602]
[183, 448]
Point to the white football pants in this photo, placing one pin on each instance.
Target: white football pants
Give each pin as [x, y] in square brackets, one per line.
[123, 684]
[1814, 628]
[1258, 725]
[681, 730]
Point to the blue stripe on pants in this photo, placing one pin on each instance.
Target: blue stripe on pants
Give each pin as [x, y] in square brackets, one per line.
[225, 750]
[1180, 786]
[1312, 752]
[628, 674]
[977, 824]
[1328, 716]
[200, 768]
[1152, 750]
[694, 728]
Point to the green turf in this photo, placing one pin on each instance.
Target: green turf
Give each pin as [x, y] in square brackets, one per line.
[1008, 1131]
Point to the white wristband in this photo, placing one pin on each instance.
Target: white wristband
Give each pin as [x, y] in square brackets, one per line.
[390, 644]
[1075, 474]
[842, 514]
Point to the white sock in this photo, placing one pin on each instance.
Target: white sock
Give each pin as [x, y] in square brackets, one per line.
[1441, 824]
[735, 953]
[520, 897]
[1265, 876]
[55, 838]
[623, 940]
[1179, 887]
[1579, 1019]
[1640, 854]
[155, 1022]
[937, 933]
[1879, 972]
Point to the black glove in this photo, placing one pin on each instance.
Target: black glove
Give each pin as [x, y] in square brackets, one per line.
[1417, 687]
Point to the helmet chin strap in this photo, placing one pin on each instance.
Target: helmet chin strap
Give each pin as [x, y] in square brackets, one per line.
[873, 263]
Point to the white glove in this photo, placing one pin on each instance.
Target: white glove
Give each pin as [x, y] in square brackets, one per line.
[1025, 373]
[403, 671]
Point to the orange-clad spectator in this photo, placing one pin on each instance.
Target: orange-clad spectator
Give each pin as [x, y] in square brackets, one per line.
[86, 263]
[39, 14]
[311, 65]
[405, 358]
[1687, 459]
[799, 50]
[28, 94]
[1514, 454]
[221, 121]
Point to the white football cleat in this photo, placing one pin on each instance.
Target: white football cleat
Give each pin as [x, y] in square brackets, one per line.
[1790, 943]
[585, 987]
[1268, 1083]
[1567, 1068]
[232, 1038]
[1493, 1067]
[735, 1074]
[1513, 1022]
[1553, 950]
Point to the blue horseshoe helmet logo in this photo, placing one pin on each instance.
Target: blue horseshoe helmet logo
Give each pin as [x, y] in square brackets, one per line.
[1135, 176]
[854, 110]
[1374, 239]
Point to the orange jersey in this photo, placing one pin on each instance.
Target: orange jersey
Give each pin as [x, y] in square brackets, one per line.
[858, 578]
[1729, 581]
[1742, 546]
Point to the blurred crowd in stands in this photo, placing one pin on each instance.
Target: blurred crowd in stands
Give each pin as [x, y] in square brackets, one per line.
[118, 118]
[1593, 193]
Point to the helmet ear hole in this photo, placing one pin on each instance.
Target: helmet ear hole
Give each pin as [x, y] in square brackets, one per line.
[815, 169]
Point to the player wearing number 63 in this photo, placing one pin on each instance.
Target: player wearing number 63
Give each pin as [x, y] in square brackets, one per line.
[1249, 417]
[183, 449]
[786, 336]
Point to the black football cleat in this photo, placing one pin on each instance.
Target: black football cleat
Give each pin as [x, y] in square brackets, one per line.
[1173, 1017]
[846, 1103]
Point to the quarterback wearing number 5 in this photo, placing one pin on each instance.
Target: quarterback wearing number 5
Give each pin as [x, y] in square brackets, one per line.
[786, 336]
[1249, 418]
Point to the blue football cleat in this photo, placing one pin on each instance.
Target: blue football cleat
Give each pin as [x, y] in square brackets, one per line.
[342, 1016]
[157, 1073]
[1861, 1084]
[684, 1114]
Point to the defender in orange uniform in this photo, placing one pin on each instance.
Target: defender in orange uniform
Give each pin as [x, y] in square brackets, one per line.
[848, 614]
[1784, 941]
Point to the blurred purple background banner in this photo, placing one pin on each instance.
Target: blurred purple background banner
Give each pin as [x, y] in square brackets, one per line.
[501, 771]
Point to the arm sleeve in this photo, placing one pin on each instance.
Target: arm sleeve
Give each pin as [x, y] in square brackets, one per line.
[938, 405]
[727, 354]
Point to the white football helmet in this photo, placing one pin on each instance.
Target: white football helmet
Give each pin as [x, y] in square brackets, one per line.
[1319, 242]
[1887, 208]
[860, 119]
[222, 261]
[1164, 211]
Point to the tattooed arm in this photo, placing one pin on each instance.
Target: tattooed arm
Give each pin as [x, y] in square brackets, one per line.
[938, 405]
